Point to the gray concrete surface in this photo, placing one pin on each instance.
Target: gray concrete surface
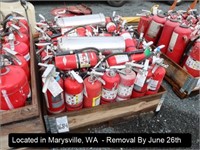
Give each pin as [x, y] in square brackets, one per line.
[176, 116]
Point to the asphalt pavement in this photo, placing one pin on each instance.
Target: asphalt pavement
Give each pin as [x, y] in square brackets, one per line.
[176, 115]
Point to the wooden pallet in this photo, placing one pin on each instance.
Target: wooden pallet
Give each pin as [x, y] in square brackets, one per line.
[183, 84]
[31, 109]
[104, 113]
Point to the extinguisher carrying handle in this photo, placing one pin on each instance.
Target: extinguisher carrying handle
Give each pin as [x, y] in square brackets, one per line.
[12, 54]
[187, 49]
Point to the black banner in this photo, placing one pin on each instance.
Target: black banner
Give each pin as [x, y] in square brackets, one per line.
[99, 140]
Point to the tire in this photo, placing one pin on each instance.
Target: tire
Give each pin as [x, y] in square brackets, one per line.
[178, 3]
[118, 3]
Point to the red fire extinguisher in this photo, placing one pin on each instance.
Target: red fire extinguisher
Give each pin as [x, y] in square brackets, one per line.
[158, 73]
[126, 84]
[144, 22]
[73, 87]
[109, 90]
[92, 90]
[192, 64]
[155, 28]
[167, 33]
[178, 42]
[75, 61]
[18, 60]
[13, 91]
[19, 47]
[141, 81]
[123, 58]
[130, 45]
[53, 89]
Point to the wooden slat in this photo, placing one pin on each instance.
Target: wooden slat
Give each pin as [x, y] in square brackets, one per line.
[92, 118]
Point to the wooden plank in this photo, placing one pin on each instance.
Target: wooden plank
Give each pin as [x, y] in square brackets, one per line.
[82, 120]
[30, 110]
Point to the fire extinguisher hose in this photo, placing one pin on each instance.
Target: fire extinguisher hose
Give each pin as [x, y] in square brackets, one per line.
[79, 51]
[74, 29]
[124, 53]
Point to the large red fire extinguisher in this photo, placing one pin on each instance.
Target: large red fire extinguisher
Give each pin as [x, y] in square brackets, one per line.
[75, 61]
[144, 22]
[19, 47]
[158, 73]
[126, 84]
[92, 90]
[155, 28]
[73, 87]
[141, 82]
[192, 64]
[14, 86]
[167, 33]
[18, 60]
[178, 42]
[53, 89]
[109, 90]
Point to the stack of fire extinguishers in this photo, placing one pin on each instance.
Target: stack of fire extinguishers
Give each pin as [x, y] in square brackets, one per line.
[174, 29]
[14, 62]
[87, 70]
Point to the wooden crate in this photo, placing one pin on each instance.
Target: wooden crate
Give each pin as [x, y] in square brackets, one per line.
[104, 113]
[32, 109]
[183, 84]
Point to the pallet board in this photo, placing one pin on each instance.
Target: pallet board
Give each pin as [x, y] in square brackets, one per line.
[30, 110]
[103, 113]
[182, 82]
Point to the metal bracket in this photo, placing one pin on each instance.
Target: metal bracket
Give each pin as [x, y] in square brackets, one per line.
[189, 85]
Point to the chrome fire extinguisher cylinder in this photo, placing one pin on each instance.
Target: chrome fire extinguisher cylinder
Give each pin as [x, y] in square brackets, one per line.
[104, 44]
[94, 19]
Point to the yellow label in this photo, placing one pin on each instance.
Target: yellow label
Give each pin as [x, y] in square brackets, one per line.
[96, 101]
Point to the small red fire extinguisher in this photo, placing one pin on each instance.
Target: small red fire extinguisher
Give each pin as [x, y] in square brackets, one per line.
[109, 90]
[18, 60]
[75, 61]
[141, 81]
[92, 89]
[178, 42]
[155, 28]
[126, 84]
[158, 73]
[130, 45]
[53, 89]
[13, 91]
[19, 47]
[192, 64]
[73, 87]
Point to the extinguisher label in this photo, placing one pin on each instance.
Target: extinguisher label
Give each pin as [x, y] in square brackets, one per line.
[173, 41]
[57, 101]
[152, 84]
[96, 101]
[109, 94]
[191, 63]
[74, 99]
[125, 91]
[27, 57]
[154, 29]
[126, 36]
[83, 60]
[140, 79]
[121, 58]
[54, 87]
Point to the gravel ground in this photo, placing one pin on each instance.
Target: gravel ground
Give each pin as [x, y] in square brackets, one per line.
[176, 116]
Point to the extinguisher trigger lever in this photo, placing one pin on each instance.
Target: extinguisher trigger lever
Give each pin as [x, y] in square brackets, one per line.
[74, 75]
[12, 54]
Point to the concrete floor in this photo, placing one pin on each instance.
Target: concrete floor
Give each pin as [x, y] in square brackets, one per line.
[176, 116]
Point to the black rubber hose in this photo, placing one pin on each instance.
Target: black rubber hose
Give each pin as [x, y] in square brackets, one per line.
[78, 51]
[74, 29]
